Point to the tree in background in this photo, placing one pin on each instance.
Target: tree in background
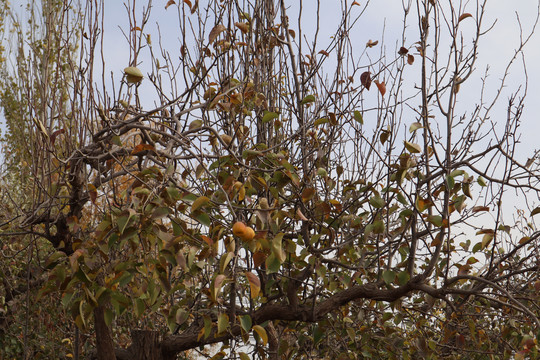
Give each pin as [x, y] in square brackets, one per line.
[264, 188]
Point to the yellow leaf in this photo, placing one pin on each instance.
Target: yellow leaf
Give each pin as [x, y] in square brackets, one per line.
[201, 201]
[254, 284]
[262, 333]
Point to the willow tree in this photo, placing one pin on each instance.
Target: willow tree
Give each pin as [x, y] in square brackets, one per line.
[278, 192]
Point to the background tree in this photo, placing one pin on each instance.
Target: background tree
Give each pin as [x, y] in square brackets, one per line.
[268, 189]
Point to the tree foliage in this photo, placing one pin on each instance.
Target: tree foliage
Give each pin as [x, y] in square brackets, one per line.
[264, 187]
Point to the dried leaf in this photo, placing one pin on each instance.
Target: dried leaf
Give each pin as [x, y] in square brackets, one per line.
[169, 3]
[403, 51]
[464, 16]
[214, 33]
[325, 53]
[371, 44]
[365, 79]
[410, 59]
[381, 86]
[243, 27]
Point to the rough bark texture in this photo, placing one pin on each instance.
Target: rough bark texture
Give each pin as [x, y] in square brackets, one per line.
[104, 342]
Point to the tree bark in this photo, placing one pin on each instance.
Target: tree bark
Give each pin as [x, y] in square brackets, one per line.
[104, 342]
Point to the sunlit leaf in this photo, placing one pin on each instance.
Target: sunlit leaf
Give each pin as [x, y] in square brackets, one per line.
[254, 284]
[358, 116]
[262, 333]
[200, 202]
[415, 126]
[412, 148]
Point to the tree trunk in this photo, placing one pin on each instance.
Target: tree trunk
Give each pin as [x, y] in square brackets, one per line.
[104, 343]
[145, 345]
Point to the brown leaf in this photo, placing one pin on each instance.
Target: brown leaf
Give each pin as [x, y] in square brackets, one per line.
[464, 16]
[292, 33]
[355, 3]
[194, 7]
[243, 27]
[214, 33]
[325, 53]
[188, 3]
[55, 134]
[365, 79]
[410, 59]
[371, 44]
[403, 51]
[308, 194]
[381, 86]
[169, 3]
[92, 192]
[142, 147]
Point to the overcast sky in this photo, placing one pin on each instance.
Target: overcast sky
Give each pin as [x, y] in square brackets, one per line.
[496, 48]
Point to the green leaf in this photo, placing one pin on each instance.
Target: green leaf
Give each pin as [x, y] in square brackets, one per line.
[277, 249]
[109, 316]
[403, 277]
[481, 181]
[317, 335]
[181, 316]
[450, 182]
[308, 99]
[140, 306]
[245, 322]
[377, 201]
[320, 121]
[203, 219]
[244, 356]
[195, 124]
[358, 117]
[269, 116]
[272, 264]
[435, 220]
[388, 276]
[222, 323]
[378, 227]
[124, 220]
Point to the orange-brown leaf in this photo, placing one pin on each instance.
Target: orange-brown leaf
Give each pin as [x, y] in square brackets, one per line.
[214, 33]
[169, 3]
[381, 86]
[464, 16]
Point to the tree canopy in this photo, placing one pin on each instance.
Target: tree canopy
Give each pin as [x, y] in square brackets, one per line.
[257, 180]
